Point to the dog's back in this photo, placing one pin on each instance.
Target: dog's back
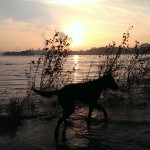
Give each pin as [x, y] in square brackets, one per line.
[85, 92]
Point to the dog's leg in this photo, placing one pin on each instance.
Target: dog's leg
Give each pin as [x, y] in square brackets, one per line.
[57, 127]
[67, 111]
[91, 107]
[99, 107]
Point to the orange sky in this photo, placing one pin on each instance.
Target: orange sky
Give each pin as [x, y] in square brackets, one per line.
[25, 23]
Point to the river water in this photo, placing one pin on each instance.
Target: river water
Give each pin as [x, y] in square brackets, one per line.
[12, 69]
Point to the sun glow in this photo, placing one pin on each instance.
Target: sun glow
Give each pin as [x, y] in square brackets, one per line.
[75, 31]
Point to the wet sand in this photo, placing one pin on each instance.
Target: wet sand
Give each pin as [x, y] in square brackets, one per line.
[128, 128]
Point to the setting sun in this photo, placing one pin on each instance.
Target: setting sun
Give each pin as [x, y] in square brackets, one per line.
[75, 31]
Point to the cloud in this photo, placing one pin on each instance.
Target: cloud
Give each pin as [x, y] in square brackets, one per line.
[27, 11]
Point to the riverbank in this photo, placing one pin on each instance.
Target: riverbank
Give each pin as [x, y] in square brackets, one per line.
[128, 128]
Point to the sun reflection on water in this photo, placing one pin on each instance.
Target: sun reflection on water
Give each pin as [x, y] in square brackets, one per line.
[76, 57]
[76, 65]
[76, 62]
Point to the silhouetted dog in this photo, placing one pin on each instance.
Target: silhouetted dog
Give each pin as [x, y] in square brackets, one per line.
[87, 93]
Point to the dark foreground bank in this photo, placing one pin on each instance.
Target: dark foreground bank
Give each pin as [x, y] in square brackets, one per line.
[128, 128]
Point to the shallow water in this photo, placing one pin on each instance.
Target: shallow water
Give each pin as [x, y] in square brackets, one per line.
[125, 130]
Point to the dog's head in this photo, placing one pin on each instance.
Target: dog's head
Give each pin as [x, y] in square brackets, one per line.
[109, 82]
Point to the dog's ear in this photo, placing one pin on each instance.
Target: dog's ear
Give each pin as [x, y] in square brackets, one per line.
[108, 72]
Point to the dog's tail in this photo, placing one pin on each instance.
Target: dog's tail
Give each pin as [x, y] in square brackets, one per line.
[45, 93]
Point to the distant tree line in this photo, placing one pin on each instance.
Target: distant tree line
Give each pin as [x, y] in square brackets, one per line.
[92, 51]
